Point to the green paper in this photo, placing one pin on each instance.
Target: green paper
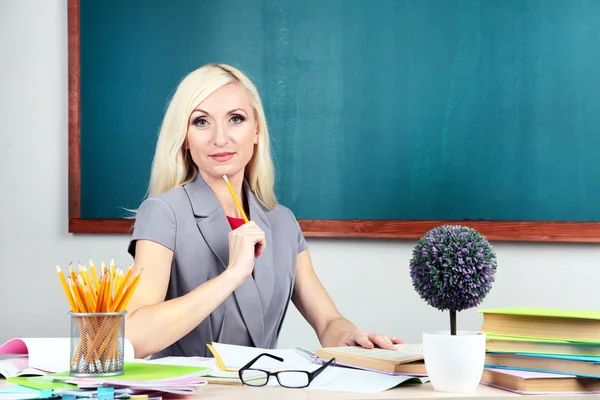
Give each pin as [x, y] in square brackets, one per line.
[146, 372]
[40, 383]
[546, 312]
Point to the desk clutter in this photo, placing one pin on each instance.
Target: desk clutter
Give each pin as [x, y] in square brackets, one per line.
[528, 351]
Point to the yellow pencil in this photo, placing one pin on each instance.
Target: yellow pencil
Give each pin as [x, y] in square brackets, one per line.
[83, 272]
[65, 286]
[119, 281]
[72, 272]
[130, 289]
[127, 275]
[100, 292]
[94, 276]
[74, 293]
[237, 202]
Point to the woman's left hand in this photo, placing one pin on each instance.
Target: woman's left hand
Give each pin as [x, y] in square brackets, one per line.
[368, 340]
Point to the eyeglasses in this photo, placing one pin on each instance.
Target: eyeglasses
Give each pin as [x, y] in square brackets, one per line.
[294, 379]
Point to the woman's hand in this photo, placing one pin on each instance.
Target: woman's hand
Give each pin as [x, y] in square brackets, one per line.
[246, 243]
[369, 340]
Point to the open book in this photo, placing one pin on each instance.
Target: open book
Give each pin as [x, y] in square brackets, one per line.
[41, 356]
[407, 359]
[230, 358]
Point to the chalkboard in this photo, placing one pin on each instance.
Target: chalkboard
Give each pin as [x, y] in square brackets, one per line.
[387, 117]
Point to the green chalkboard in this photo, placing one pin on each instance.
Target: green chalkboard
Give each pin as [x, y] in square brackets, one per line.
[379, 110]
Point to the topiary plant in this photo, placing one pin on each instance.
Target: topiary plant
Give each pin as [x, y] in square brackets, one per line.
[452, 268]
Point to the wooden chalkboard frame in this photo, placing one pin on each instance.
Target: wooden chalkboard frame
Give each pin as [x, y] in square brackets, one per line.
[529, 231]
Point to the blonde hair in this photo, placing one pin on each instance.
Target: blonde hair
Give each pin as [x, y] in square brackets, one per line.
[173, 166]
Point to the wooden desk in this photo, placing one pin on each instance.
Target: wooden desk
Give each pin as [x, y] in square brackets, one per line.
[424, 391]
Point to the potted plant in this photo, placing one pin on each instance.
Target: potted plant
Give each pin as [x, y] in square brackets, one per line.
[452, 268]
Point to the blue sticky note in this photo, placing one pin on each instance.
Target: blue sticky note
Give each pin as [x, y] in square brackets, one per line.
[106, 393]
[69, 397]
[18, 389]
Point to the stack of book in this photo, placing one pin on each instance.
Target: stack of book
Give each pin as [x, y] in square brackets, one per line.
[542, 350]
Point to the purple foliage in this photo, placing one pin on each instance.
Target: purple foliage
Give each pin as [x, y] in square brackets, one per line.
[453, 267]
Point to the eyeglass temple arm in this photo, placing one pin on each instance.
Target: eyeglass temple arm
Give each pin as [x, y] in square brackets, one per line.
[255, 359]
[316, 372]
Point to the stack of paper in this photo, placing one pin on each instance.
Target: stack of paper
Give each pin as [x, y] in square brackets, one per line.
[144, 377]
[139, 378]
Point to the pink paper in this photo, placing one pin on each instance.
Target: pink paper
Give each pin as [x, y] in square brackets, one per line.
[14, 346]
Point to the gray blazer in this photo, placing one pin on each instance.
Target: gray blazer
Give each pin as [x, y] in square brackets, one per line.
[190, 221]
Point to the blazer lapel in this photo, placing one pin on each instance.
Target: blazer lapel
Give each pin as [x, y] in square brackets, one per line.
[263, 266]
[214, 227]
[210, 218]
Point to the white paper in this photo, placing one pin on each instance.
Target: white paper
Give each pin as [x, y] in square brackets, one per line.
[235, 357]
[357, 381]
[332, 378]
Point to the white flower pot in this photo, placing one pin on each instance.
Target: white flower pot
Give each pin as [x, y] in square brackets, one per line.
[454, 362]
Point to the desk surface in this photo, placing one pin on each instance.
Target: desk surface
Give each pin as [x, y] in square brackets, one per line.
[424, 391]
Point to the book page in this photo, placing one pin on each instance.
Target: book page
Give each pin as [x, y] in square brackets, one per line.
[416, 348]
[399, 355]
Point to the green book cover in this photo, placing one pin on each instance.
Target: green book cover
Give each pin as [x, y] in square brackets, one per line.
[492, 336]
[545, 312]
[137, 371]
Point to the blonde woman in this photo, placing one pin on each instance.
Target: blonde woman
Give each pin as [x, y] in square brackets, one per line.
[208, 276]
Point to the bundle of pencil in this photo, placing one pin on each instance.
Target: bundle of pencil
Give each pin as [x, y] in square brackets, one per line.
[98, 344]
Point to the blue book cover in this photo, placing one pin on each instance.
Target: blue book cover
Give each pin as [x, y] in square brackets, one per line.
[590, 359]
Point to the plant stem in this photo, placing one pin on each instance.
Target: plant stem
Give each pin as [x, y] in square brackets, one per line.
[452, 322]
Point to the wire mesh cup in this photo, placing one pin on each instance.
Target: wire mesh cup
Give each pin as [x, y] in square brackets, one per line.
[97, 343]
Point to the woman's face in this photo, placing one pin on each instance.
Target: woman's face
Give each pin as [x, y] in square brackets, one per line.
[222, 132]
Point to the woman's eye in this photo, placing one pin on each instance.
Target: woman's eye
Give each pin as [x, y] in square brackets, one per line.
[201, 122]
[236, 119]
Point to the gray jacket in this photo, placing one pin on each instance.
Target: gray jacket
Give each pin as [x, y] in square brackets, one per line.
[190, 221]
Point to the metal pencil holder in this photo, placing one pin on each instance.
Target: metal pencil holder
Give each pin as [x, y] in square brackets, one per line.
[97, 344]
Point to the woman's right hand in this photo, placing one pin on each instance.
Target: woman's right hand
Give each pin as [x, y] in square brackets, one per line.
[246, 243]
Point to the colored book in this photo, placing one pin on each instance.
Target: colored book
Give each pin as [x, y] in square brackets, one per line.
[586, 366]
[543, 323]
[530, 382]
[512, 344]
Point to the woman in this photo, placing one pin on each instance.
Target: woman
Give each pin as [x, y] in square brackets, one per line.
[208, 276]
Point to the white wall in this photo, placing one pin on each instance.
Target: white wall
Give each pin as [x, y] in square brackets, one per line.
[368, 279]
